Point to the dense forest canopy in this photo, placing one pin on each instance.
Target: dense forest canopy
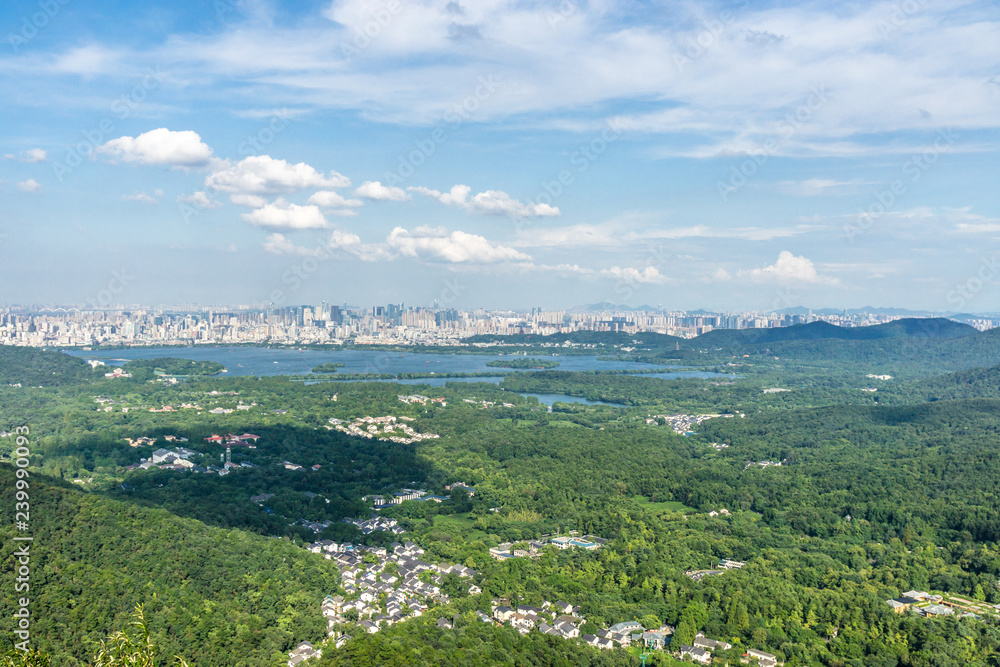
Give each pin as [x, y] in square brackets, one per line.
[850, 468]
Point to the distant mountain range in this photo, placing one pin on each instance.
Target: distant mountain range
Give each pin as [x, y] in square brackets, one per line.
[802, 310]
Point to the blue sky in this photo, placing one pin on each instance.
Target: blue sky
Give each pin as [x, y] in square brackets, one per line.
[729, 155]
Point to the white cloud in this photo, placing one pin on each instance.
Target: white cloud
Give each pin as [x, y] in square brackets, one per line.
[437, 244]
[200, 200]
[566, 269]
[884, 72]
[351, 244]
[34, 155]
[582, 235]
[144, 198]
[789, 268]
[814, 187]
[490, 202]
[281, 214]
[30, 185]
[703, 231]
[331, 199]
[264, 175]
[979, 228]
[87, 60]
[457, 196]
[375, 190]
[616, 234]
[497, 202]
[279, 244]
[252, 201]
[160, 147]
[647, 276]
[967, 222]
[340, 240]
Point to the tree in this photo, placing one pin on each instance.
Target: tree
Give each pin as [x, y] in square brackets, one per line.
[123, 650]
[685, 632]
[30, 658]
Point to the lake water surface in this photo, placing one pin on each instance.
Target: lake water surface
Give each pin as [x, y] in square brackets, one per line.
[260, 361]
[241, 360]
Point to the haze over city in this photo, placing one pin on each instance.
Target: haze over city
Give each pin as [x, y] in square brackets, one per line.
[723, 155]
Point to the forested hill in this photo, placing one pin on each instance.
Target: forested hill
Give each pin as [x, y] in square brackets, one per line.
[972, 383]
[904, 328]
[917, 356]
[31, 367]
[210, 594]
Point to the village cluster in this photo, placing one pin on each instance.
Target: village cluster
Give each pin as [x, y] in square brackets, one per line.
[418, 399]
[382, 501]
[532, 548]
[486, 404]
[384, 586]
[109, 405]
[682, 424]
[929, 605]
[765, 464]
[375, 523]
[386, 428]
[559, 619]
[725, 565]
[179, 458]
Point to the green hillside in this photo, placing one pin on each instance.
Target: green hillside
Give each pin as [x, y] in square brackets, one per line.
[904, 328]
[32, 367]
[215, 597]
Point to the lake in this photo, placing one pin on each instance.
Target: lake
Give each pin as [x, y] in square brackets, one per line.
[549, 399]
[241, 360]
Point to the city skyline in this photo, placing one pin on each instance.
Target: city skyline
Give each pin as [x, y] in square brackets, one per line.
[393, 324]
[505, 155]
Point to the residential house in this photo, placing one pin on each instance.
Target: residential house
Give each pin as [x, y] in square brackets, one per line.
[701, 641]
[696, 654]
[301, 653]
[761, 658]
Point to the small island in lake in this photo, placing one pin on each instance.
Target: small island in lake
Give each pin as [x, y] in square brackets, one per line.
[523, 363]
[330, 367]
[172, 366]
